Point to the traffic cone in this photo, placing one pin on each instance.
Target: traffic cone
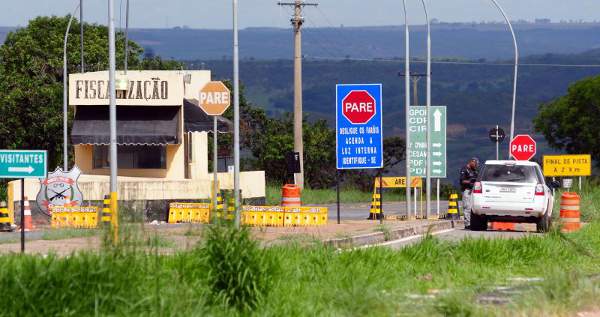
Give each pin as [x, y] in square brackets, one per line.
[376, 208]
[453, 207]
[28, 220]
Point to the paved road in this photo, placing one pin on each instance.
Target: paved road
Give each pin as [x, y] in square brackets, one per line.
[361, 211]
[460, 233]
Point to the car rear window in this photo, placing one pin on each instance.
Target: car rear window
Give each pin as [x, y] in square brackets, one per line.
[509, 173]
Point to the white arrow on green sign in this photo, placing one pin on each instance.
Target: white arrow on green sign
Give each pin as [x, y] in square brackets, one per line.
[23, 164]
[418, 141]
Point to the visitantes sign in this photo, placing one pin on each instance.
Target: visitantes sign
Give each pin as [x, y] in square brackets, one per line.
[359, 126]
[143, 88]
[23, 164]
[568, 165]
[417, 122]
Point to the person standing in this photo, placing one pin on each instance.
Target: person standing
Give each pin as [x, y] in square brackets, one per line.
[468, 176]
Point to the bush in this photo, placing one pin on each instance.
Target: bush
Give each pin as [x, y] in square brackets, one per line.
[239, 272]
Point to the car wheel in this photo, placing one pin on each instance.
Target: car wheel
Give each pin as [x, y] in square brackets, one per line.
[478, 222]
[543, 224]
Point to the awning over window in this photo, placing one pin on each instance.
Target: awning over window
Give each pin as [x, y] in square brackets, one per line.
[198, 121]
[152, 125]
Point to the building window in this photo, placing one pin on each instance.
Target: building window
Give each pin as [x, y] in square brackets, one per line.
[132, 157]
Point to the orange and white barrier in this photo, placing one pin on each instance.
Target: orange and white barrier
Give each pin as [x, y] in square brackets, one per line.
[569, 212]
[290, 196]
[28, 220]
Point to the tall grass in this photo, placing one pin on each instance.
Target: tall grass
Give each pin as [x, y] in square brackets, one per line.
[229, 275]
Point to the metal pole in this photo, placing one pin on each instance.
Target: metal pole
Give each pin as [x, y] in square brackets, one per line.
[428, 106]
[236, 115]
[81, 34]
[580, 184]
[437, 188]
[215, 165]
[497, 144]
[113, 117]
[407, 101]
[66, 97]
[381, 196]
[337, 188]
[126, 35]
[514, 101]
[22, 215]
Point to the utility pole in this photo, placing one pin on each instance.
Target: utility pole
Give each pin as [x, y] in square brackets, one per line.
[81, 34]
[297, 21]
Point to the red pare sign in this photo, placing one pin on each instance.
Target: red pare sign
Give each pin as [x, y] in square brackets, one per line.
[358, 107]
[522, 147]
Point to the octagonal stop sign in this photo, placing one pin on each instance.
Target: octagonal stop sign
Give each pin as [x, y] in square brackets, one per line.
[522, 147]
[214, 98]
[359, 107]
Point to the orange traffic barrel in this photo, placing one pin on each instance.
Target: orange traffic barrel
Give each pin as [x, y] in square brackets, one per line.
[569, 212]
[290, 195]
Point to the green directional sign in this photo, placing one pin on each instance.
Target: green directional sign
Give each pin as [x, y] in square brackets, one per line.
[418, 141]
[23, 164]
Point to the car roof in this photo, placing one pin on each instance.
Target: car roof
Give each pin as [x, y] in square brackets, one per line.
[505, 162]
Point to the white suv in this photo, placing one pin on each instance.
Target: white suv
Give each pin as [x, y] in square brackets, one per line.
[511, 191]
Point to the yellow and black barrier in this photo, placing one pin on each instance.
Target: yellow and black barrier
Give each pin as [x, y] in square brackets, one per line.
[5, 223]
[453, 207]
[106, 213]
[278, 216]
[189, 213]
[74, 217]
[376, 208]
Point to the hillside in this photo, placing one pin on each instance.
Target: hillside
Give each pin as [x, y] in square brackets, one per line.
[460, 40]
[478, 96]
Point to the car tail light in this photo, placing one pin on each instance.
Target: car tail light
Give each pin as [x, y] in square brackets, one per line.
[539, 190]
[477, 188]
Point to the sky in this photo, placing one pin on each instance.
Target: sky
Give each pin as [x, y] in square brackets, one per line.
[216, 14]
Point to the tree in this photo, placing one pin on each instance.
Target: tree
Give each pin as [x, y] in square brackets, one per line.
[572, 122]
[31, 79]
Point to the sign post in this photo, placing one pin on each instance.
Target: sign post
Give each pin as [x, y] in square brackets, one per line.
[523, 147]
[214, 101]
[497, 135]
[417, 146]
[23, 164]
[359, 127]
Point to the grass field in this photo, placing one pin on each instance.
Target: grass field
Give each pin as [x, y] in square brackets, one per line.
[329, 196]
[229, 275]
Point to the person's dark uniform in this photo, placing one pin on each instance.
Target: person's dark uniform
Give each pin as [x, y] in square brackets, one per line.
[468, 175]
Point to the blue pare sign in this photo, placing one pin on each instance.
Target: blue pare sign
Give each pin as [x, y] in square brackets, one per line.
[359, 128]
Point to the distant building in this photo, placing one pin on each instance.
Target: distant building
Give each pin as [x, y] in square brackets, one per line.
[543, 21]
[162, 139]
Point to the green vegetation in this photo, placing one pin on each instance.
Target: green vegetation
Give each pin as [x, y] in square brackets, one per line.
[229, 275]
[329, 196]
[59, 234]
[564, 124]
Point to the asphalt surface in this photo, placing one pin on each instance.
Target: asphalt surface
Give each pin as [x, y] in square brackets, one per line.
[458, 234]
[361, 211]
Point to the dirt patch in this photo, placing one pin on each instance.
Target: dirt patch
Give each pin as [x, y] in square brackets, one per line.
[177, 237]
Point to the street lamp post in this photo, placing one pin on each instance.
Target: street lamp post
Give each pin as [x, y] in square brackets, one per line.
[113, 117]
[514, 101]
[428, 108]
[236, 116]
[65, 96]
[407, 101]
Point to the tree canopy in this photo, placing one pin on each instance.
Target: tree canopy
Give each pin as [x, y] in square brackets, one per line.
[572, 122]
[31, 78]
